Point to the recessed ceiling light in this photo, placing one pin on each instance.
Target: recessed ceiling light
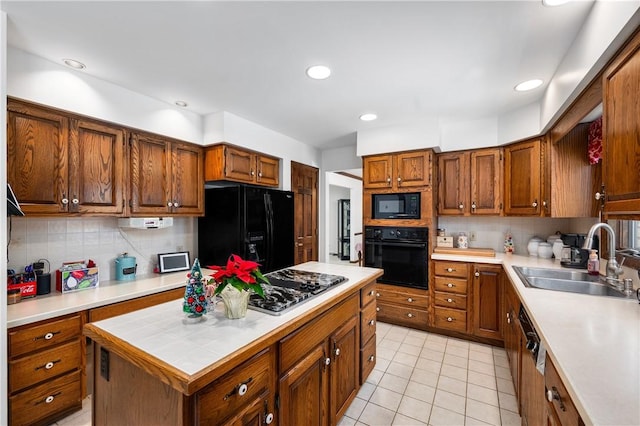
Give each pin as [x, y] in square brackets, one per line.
[318, 72]
[182, 104]
[554, 2]
[74, 64]
[528, 85]
[368, 117]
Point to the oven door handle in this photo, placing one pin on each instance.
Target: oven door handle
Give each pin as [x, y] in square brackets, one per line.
[407, 244]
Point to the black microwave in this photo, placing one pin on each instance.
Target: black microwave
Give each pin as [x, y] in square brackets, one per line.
[396, 206]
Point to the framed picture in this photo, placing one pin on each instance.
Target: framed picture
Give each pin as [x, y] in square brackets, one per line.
[174, 262]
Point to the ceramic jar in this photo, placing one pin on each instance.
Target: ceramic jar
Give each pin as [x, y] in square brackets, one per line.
[463, 240]
[532, 247]
[544, 250]
[557, 248]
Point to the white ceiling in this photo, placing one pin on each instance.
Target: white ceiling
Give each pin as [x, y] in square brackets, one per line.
[401, 60]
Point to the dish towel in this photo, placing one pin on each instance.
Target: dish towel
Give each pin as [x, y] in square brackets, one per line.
[594, 149]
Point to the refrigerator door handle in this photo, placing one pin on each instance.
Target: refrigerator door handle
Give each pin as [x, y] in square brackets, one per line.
[269, 218]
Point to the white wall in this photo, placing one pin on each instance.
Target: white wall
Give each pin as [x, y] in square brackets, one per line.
[3, 218]
[400, 137]
[38, 80]
[332, 180]
[227, 127]
[340, 159]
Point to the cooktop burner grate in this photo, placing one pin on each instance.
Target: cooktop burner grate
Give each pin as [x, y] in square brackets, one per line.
[291, 287]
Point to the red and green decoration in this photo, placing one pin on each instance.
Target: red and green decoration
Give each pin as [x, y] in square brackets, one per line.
[195, 300]
[243, 275]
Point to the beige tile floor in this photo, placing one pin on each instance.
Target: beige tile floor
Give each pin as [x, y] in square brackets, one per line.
[421, 378]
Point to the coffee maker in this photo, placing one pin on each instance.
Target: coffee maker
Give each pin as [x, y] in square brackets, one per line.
[579, 256]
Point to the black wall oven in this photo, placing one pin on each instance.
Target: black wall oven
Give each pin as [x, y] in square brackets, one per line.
[401, 251]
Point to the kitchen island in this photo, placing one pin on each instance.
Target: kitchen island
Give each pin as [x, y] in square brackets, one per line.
[154, 366]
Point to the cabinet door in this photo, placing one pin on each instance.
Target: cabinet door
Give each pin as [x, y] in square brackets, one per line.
[377, 171]
[522, 178]
[532, 392]
[486, 181]
[304, 389]
[96, 168]
[240, 165]
[412, 169]
[37, 158]
[344, 368]
[512, 334]
[150, 175]
[487, 301]
[453, 184]
[268, 170]
[621, 138]
[188, 179]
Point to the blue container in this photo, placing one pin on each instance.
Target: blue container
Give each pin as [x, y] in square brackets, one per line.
[126, 267]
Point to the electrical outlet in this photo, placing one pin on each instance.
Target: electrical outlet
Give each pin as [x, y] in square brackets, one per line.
[472, 236]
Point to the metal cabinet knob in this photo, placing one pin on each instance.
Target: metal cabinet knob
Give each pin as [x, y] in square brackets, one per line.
[450, 300]
[461, 206]
[169, 204]
[399, 179]
[410, 300]
[75, 201]
[372, 322]
[259, 174]
[377, 294]
[477, 274]
[449, 319]
[410, 315]
[243, 389]
[371, 358]
[327, 361]
[49, 399]
[450, 285]
[253, 173]
[268, 419]
[389, 180]
[535, 203]
[599, 195]
[377, 309]
[175, 204]
[48, 336]
[48, 366]
[554, 394]
[371, 293]
[473, 205]
[65, 201]
[450, 270]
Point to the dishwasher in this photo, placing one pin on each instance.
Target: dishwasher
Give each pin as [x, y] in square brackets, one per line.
[532, 398]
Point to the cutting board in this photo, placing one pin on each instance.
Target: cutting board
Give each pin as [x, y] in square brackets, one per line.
[471, 251]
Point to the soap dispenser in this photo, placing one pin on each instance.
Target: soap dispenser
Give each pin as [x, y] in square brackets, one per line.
[593, 265]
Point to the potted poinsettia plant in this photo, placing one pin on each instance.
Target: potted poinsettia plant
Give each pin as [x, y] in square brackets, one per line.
[235, 282]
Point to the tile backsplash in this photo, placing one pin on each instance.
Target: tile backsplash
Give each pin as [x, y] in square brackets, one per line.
[67, 239]
[490, 231]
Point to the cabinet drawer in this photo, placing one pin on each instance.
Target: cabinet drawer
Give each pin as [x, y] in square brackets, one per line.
[43, 336]
[450, 300]
[230, 393]
[451, 319]
[403, 315]
[367, 359]
[60, 395]
[558, 397]
[367, 294]
[367, 323]
[40, 366]
[451, 269]
[402, 296]
[451, 285]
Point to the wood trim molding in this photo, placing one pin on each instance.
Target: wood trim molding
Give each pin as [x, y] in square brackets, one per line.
[349, 175]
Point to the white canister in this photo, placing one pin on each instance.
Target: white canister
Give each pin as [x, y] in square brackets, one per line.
[532, 247]
[463, 240]
[557, 248]
[544, 250]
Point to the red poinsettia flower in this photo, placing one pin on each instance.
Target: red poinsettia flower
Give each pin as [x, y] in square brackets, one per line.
[241, 274]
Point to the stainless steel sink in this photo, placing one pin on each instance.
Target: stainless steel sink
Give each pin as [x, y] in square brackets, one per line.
[562, 280]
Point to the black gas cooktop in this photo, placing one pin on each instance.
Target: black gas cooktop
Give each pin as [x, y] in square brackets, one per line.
[291, 287]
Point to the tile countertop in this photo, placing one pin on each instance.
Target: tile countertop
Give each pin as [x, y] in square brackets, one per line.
[195, 347]
[594, 342]
[56, 304]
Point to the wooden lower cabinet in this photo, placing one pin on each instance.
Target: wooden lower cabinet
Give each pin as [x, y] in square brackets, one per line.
[487, 301]
[512, 335]
[532, 404]
[368, 325]
[402, 306]
[560, 409]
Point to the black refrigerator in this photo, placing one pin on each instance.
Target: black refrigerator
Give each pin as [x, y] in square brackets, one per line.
[255, 223]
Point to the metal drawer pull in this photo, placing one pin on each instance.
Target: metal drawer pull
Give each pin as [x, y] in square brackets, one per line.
[377, 294]
[449, 319]
[268, 418]
[450, 300]
[377, 309]
[372, 322]
[410, 315]
[48, 366]
[372, 292]
[371, 358]
[450, 285]
[554, 394]
[240, 389]
[451, 270]
[47, 336]
[409, 300]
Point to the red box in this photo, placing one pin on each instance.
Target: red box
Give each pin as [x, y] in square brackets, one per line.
[27, 289]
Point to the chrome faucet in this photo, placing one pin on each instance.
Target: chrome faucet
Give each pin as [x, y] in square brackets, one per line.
[613, 269]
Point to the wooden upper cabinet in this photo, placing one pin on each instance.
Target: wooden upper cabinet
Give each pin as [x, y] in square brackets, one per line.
[97, 168]
[394, 171]
[522, 180]
[453, 183]
[226, 162]
[37, 158]
[57, 164]
[470, 182]
[166, 176]
[621, 131]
